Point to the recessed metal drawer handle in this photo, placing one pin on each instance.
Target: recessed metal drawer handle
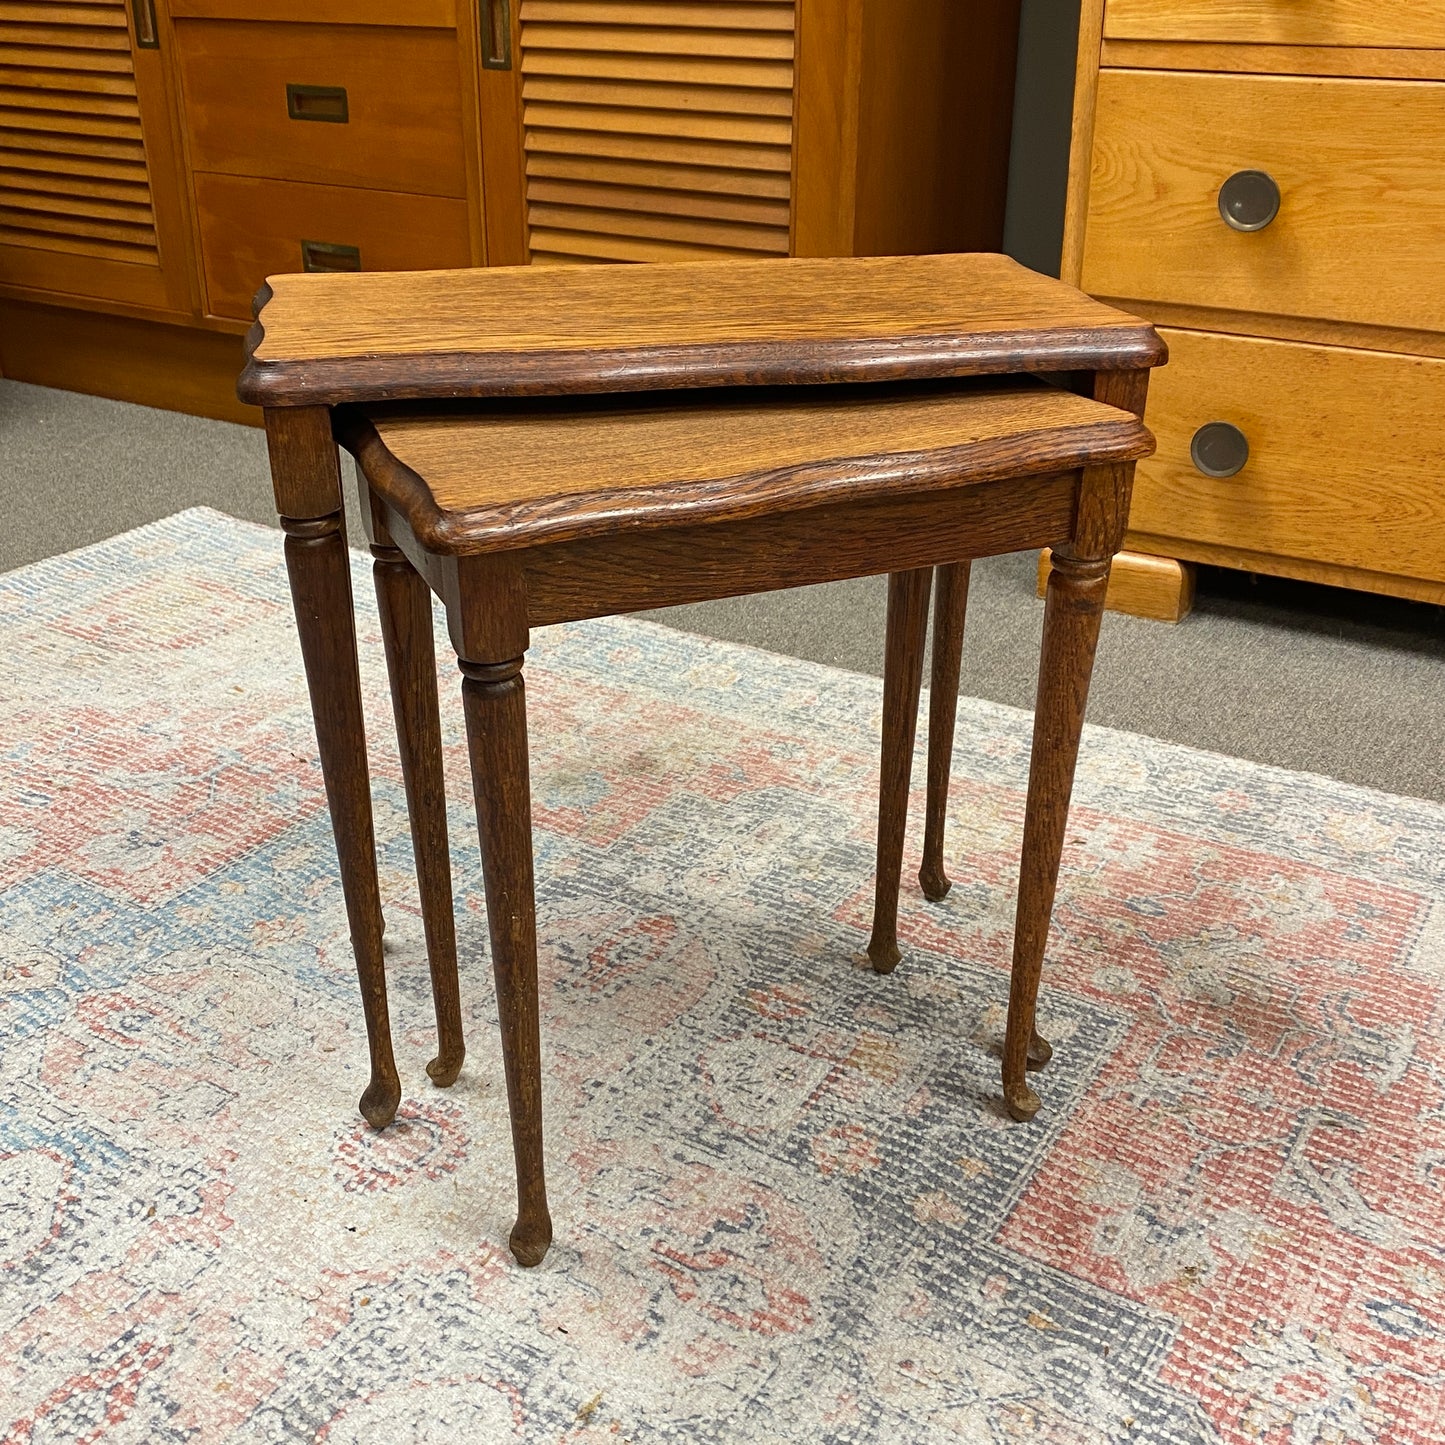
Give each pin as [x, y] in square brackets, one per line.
[317, 102]
[496, 17]
[327, 256]
[1249, 200]
[1219, 449]
[143, 12]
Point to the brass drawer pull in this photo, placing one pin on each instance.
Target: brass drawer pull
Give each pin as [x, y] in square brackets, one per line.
[317, 102]
[1219, 449]
[496, 16]
[1249, 200]
[327, 256]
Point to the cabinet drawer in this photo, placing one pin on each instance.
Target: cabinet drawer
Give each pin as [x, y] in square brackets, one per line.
[347, 104]
[1280, 22]
[251, 229]
[1346, 453]
[1358, 164]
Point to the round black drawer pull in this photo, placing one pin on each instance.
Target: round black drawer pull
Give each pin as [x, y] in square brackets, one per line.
[1219, 449]
[1249, 200]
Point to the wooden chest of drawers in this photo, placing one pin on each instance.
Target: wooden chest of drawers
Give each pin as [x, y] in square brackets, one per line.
[1265, 179]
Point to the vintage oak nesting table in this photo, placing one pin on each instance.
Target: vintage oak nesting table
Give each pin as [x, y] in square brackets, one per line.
[540, 445]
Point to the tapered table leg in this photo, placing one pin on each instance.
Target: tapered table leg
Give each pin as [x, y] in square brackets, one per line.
[1072, 612]
[320, 573]
[902, 680]
[404, 602]
[950, 606]
[496, 710]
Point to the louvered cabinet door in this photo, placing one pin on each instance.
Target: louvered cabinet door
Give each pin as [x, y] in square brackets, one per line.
[89, 199]
[656, 131]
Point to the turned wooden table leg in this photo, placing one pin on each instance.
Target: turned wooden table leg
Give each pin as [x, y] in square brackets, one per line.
[1074, 607]
[405, 605]
[306, 476]
[950, 606]
[496, 710]
[902, 681]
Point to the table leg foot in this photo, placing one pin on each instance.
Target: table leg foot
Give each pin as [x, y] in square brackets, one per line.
[1040, 1051]
[902, 681]
[496, 710]
[404, 604]
[1022, 1103]
[1076, 591]
[949, 610]
[319, 570]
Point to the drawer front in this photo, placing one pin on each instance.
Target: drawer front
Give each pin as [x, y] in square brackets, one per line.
[251, 229]
[1360, 170]
[1280, 22]
[1346, 453]
[348, 105]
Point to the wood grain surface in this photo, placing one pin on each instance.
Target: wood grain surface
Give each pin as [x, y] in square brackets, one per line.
[405, 123]
[513, 331]
[1141, 584]
[1346, 453]
[1365, 63]
[1358, 163]
[1280, 22]
[252, 228]
[482, 479]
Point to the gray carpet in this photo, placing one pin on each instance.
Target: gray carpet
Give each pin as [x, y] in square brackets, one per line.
[1304, 677]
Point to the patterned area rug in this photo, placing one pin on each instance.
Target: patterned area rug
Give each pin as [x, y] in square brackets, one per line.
[788, 1204]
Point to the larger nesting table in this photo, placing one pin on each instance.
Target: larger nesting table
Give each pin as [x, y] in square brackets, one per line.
[543, 445]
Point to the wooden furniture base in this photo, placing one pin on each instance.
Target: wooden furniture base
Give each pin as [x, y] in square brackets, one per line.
[178, 368]
[1144, 586]
[538, 502]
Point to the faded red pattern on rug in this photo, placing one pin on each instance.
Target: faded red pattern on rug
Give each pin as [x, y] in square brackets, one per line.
[788, 1203]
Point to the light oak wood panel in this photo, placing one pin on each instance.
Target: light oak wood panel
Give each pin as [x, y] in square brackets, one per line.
[1347, 451]
[512, 475]
[507, 331]
[1275, 59]
[1280, 22]
[254, 228]
[404, 130]
[1242, 559]
[667, 86]
[1358, 163]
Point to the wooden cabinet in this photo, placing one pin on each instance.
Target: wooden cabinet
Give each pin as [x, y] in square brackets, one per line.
[157, 175]
[91, 203]
[1265, 179]
[678, 130]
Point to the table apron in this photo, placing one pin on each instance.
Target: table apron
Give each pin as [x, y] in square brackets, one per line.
[631, 571]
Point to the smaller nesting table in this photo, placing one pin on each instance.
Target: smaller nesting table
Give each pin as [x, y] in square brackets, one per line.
[541, 446]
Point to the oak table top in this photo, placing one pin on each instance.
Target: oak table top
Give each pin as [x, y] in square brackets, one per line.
[322, 339]
[480, 477]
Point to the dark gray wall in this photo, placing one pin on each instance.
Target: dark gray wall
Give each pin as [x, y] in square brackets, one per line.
[1033, 229]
